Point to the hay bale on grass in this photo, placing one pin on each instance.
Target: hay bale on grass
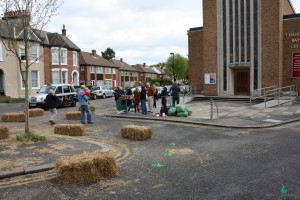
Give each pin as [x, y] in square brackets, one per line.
[69, 129]
[138, 133]
[13, 117]
[73, 115]
[85, 167]
[4, 132]
[36, 112]
[92, 108]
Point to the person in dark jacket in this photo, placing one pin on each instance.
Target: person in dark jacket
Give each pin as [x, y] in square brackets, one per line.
[155, 98]
[143, 100]
[136, 99]
[164, 94]
[175, 91]
[117, 94]
[128, 92]
[51, 103]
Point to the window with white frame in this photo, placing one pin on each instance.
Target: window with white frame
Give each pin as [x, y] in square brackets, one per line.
[63, 56]
[122, 73]
[108, 70]
[1, 52]
[74, 58]
[54, 53]
[92, 82]
[55, 76]
[22, 82]
[22, 52]
[114, 70]
[92, 69]
[64, 76]
[34, 53]
[142, 74]
[82, 68]
[99, 70]
[35, 79]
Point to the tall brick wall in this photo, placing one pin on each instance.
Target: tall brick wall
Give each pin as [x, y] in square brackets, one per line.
[195, 42]
[210, 43]
[290, 45]
[271, 43]
[287, 8]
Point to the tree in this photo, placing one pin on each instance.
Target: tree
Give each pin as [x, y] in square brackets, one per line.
[23, 23]
[108, 54]
[177, 67]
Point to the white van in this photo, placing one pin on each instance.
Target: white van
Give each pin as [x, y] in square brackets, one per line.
[66, 95]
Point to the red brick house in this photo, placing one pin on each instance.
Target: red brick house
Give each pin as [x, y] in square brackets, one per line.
[60, 58]
[145, 73]
[95, 70]
[128, 74]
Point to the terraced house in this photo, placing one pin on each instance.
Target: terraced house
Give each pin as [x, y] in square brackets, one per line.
[11, 83]
[95, 70]
[128, 75]
[244, 45]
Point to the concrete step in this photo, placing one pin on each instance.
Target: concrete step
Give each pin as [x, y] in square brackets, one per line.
[276, 102]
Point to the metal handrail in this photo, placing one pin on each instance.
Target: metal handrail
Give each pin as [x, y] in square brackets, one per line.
[260, 92]
[211, 108]
[278, 92]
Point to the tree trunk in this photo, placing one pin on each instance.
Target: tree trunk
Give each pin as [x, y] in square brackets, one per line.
[27, 132]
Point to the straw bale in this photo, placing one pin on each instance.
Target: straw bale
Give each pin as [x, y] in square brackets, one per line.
[73, 115]
[85, 167]
[13, 117]
[69, 129]
[4, 132]
[92, 108]
[138, 133]
[36, 112]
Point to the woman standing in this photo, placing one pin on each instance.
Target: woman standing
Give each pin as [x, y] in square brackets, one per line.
[51, 104]
[143, 100]
[136, 99]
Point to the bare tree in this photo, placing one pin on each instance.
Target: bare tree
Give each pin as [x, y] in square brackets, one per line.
[23, 22]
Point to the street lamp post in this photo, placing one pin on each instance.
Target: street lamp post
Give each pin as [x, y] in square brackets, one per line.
[173, 68]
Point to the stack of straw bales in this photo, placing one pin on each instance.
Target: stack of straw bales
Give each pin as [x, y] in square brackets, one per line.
[85, 167]
[73, 115]
[4, 132]
[138, 133]
[92, 108]
[36, 112]
[13, 117]
[69, 129]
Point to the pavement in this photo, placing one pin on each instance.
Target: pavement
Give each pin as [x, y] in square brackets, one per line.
[36, 157]
[226, 114]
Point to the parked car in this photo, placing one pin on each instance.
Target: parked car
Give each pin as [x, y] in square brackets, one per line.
[66, 95]
[101, 91]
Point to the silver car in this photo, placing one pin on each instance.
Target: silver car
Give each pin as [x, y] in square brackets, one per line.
[101, 91]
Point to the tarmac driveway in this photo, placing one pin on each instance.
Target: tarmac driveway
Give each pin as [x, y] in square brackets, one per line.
[205, 163]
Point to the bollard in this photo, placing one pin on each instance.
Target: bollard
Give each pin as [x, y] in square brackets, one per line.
[211, 109]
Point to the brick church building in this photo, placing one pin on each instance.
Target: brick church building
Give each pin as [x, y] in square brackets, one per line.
[244, 45]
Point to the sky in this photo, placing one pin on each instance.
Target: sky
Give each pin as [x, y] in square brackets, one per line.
[139, 31]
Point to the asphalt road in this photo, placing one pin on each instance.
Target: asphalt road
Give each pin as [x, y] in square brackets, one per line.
[206, 163]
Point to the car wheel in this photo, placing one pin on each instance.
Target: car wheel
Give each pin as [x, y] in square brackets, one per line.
[94, 97]
[104, 96]
[73, 104]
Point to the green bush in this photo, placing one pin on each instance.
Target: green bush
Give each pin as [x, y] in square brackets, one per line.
[157, 84]
[33, 137]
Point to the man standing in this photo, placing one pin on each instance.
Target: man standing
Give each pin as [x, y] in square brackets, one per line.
[143, 100]
[175, 91]
[51, 103]
[83, 101]
[164, 94]
[150, 99]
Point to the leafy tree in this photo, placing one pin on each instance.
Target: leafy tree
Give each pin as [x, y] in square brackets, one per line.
[108, 54]
[177, 67]
[29, 19]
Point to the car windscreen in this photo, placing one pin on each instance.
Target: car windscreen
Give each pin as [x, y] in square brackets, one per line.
[45, 89]
[95, 88]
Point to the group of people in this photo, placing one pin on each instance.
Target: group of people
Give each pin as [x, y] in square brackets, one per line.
[83, 98]
[147, 95]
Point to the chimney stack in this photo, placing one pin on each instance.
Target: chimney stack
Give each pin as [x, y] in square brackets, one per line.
[121, 60]
[144, 64]
[64, 31]
[94, 53]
